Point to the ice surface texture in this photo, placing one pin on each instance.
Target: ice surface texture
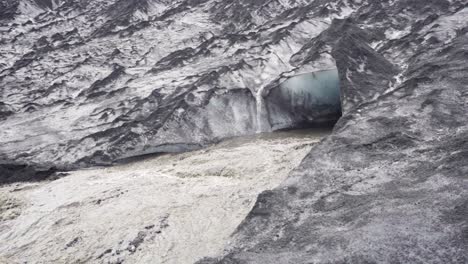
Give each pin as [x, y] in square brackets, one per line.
[88, 82]
[306, 99]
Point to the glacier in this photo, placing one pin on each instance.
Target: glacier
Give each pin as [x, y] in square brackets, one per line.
[305, 100]
[87, 83]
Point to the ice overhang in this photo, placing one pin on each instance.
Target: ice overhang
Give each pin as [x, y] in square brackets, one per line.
[305, 100]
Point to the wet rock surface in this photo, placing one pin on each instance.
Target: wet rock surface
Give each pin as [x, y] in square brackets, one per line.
[93, 82]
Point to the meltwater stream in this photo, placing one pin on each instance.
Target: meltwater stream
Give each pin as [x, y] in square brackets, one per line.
[172, 208]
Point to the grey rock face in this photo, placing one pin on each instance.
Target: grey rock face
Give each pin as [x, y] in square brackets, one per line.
[91, 82]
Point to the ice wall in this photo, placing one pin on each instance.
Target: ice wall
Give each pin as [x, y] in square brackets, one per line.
[304, 100]
[200, 121]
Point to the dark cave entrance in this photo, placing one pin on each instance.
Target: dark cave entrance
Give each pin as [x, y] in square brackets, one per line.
[310, 100]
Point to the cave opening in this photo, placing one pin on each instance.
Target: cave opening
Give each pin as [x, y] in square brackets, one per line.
[310, 100]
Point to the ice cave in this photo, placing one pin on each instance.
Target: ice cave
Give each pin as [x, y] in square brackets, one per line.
[306, 100]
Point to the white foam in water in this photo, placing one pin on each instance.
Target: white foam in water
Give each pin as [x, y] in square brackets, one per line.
[172, 208]
[262, 122]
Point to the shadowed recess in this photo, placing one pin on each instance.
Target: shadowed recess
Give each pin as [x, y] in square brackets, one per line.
[305, 100]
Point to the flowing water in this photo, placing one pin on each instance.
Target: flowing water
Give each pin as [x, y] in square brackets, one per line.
[262, 118]
[171, 208]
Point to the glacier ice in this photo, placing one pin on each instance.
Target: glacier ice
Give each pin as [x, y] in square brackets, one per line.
[305, 100]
